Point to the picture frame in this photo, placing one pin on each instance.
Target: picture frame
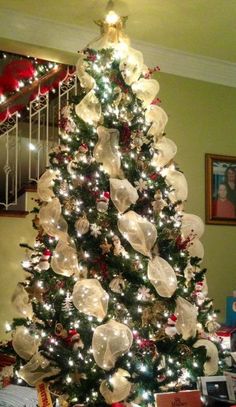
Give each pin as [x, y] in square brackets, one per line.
[218, 387]
[220, 189]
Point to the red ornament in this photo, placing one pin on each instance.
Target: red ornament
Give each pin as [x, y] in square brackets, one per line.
[117, 405]
[47, 252]
[153, 176]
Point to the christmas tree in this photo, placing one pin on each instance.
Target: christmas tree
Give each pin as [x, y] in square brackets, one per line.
[114, 306]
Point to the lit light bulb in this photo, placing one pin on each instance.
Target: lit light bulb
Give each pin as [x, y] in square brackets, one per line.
[111, 17]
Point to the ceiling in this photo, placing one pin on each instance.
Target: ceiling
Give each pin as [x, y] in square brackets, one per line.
[203, 29]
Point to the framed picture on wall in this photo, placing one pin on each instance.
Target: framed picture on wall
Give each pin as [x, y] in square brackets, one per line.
[220, 189]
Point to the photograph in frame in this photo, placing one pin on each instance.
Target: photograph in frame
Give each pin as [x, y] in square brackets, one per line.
[220, 189]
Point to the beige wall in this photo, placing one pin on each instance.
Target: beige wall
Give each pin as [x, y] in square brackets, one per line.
[13, 232]
[202, 120]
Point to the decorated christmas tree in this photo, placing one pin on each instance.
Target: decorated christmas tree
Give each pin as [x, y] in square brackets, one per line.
[114, 306]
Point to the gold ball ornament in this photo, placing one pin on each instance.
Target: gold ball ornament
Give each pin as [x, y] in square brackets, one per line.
[82, 225]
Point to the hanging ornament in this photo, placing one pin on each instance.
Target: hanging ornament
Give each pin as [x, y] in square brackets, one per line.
[179, 187]
[67, 306]
[106, 247]
[45, 184]
[146, 90]
[191, 225]
[86, 80]
[106, 151]
[37, 369]
[211, 366]
[24, 343]
[89, 109]
[123, 194]
[139, 232]
[60, 331]
[82, 225]
[95, 230]
[162, 276]
[52, 221]
[159, 202]
[117, 388]
[131, 66]
[117, 284]
[20, 301]
[157, 118]
[143, 294]
[166, 151]
[43, 264]
[102, 204]
[64, 260]
[170, 328]
[90, 298]
[118, 248]
[110, 341]
[186, 323]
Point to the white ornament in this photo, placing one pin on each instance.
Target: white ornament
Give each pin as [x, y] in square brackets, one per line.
[86, 80]
[24, 343]
[191, 225]
[45, 184]
[123, 194]
[131, 66]
[157, 118]
[141, 185]
[102, 204]
[162, 276]
[106, 151]
[186, 323]
[89, 109]
[211, 365]
[139, 232]
[179, 187]
[146, 90]
[110, 341]
[64, 260]
[120, 387]
[90, 298]
[95, 230]
[166, 151]
[20, 301]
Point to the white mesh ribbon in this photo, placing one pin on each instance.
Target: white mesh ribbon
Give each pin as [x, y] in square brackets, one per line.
[89, 108]
[179, 187]
[162, 276]
[20, 301]
[106, 150]
[158, 119]
[139, 232]
[166, 151]
[192, 225]
[123, 194]
[64, 260]
[110, 341]
[120, 387]
[186, 313]
[52, 221]
[24, 344]
[86, 80]
[37, 369]
[146, 90]
[131, 66]
[44, 186]
[196, 249]
[211, 365]
[90, 298]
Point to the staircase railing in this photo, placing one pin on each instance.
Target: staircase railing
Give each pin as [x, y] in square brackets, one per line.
[25, 139]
